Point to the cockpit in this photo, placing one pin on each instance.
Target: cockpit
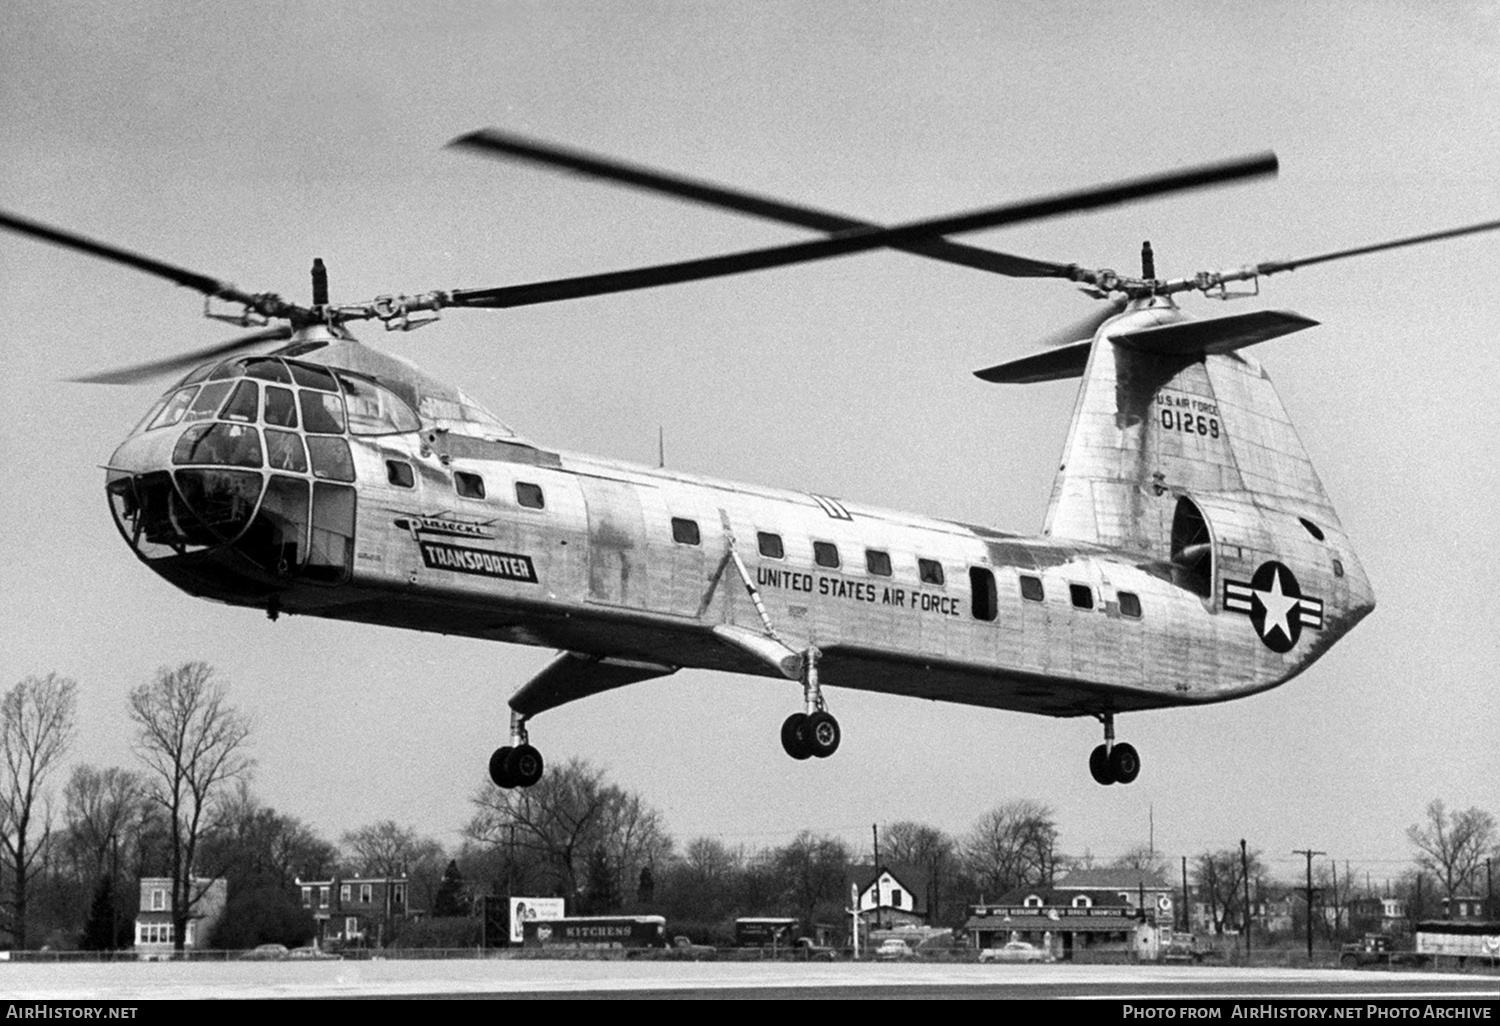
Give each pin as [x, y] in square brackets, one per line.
[252, 453]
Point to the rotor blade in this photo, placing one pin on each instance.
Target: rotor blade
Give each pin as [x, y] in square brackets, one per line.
[193, 280]
[157, 368]
[1272, 266]
[860, 239]
[493, 142]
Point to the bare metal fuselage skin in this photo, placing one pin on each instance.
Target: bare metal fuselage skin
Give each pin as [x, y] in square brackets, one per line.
[449, 524]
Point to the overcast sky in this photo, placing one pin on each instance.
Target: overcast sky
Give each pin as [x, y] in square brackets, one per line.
[242, 140]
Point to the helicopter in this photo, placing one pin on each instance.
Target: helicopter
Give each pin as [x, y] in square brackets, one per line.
[1189, 553]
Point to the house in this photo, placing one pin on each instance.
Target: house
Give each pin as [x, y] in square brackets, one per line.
[1138, 888]
[356, 909]
[1067, 923]
[155, 932]
[890, 895]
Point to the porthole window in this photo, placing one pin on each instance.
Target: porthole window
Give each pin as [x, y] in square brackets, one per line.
[1031, 588]
[470, 486]
[770, 545]
[685, 532]
[826, 554]
[1082, 595]
[1311, 528]
[930, 571]
[1130, 604]
[399, 473]
[878, 563]
[530, 495]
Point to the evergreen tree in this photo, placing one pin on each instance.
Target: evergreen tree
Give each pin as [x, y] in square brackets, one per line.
[450, 899]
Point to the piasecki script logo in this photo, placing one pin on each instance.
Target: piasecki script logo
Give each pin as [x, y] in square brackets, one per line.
[1277, 608]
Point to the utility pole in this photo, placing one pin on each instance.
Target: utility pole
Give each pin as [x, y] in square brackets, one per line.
[875, 832]
[1309, 853]
[1187, 910]
[1245, 872]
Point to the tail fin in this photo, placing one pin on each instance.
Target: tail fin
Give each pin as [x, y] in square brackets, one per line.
[1181, 451]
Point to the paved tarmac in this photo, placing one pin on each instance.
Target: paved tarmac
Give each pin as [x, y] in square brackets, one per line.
[527, 978]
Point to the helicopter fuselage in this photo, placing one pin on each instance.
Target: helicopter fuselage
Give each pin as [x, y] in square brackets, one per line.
[340, 483]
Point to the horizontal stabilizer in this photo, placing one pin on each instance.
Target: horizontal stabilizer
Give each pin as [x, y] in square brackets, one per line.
[1182, 338]
[573, 675]
[1220, 335]
[1048, 365]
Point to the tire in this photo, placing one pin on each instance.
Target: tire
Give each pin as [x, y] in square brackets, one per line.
[822, 735]
[498, 773]
[524, 765]
[1099, 766]
[794, 736]
[1124, 764]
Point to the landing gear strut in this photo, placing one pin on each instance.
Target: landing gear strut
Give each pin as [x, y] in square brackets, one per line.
[516, 764]
[1113, 763]
[813, 733]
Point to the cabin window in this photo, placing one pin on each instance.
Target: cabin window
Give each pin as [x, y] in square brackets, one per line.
[877, 562]
[1312, 528]
[530, 495]
[1031, 588]
[826, 554]
[231, 444]
[175, 408]
[399, 473]
[321, 412]
[267, 368]
[1130, 605]
[1338, 568]
[284, 451]
[1082, 595]
[986, 601]
[281, 407]
[313, 377]
[685, 532]
[207, 403]
[330, 458]
[770, 545]
[374, 410]
[244, 404]
[930, 571]
[470, 486]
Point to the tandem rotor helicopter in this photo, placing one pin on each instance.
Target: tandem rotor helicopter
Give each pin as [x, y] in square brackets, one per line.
[1189, 552]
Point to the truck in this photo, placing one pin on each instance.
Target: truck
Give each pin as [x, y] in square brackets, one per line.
[596, 932]
[1377, 949]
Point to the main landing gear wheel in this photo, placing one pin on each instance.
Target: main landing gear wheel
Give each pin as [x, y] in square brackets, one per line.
[498, 773]
[794, 736]
[823, 735]
[1113, 763]
[524, 765]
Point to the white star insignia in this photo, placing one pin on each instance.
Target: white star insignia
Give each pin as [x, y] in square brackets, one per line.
[1277, 605]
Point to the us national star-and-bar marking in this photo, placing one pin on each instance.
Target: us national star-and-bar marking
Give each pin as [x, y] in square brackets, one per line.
[1277, 608]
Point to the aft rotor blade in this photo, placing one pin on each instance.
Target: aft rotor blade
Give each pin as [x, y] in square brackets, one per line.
[495, 143]
[1273, 266]
[192, 279]
[158, 368]
[859, 240]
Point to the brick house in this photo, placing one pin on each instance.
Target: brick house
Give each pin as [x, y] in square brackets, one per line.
[356, 909]
[154, 930]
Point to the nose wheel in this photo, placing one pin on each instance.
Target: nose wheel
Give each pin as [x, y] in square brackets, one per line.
[1112, 763]
[517, 764]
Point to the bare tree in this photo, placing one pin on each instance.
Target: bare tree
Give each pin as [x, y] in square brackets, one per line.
[923, 847]
[558, 826]
[192, 742]
[101, 809]
[1219, 879]
[390, 850]
[36, 726]
[1013, 845]
[1453, 846]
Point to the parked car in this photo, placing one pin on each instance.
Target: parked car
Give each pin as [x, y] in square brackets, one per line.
[811, 951]
[312, 952]
[1015, 951]
[266, 953]
[683, 947]
[894, 947]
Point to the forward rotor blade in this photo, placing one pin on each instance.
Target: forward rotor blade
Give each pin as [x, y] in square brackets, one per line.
[495, 143]
[1272, 266]
[860, 239]
[158, 368]
[193, 280]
